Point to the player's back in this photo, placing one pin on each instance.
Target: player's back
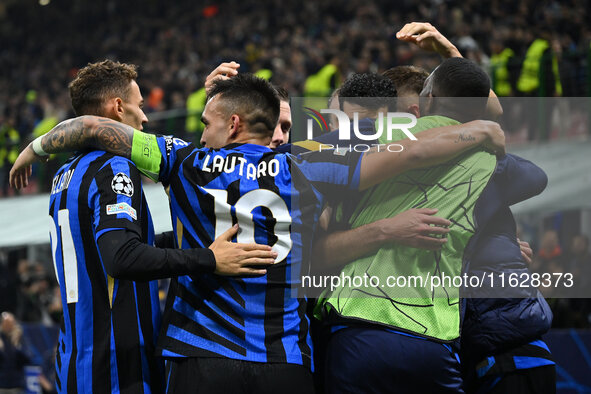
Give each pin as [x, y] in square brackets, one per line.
[109, 326]
[242, 318]
[276, 200]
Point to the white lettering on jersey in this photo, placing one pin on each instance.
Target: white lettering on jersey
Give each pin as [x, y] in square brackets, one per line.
[219, 164]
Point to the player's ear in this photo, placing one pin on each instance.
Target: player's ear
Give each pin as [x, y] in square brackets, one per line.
[234, 126]
[111, 109]
[414, 109]
[118, 107]
[114, 109]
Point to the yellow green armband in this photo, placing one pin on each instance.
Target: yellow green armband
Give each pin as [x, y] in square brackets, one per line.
[146, 154]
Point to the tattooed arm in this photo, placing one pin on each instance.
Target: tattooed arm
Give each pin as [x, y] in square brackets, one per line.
[87, 132]
[434, 146]
[82, 133]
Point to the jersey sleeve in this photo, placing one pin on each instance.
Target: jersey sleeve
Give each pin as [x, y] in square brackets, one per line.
[519, 179]
[155, 155]
[331, 170]
[116, 198]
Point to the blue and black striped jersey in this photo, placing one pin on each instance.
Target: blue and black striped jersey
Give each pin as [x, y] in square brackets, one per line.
[276, 199]
[531, 355]
[109, 326]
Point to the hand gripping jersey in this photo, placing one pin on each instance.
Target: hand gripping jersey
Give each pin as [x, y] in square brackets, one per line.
[108, 334]
[276, 199]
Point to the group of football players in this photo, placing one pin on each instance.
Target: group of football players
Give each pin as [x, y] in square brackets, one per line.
[252, 213]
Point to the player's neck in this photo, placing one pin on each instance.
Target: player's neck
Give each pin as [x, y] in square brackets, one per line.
[250, 139]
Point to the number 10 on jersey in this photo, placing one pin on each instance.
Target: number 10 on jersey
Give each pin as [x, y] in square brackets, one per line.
[244, 207]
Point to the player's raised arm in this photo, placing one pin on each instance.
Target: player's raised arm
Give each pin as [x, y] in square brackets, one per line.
[435, 146]
[81, 133]
[87, 132]
[427, 37]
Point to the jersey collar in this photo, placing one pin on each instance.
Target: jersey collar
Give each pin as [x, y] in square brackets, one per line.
[247, 147]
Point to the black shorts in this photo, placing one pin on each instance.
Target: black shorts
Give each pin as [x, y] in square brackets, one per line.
[223, 375]
[374, 360]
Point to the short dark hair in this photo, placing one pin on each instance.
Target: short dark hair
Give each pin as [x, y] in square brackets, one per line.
[255, 100]
[367, 85]
[407, 79]
[459, 77]
[282, 93]
[98, 82]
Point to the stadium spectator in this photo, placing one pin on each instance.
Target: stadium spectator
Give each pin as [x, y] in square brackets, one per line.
[12, 356]
[36, 293]
[579, 257]
[573, 312]
[9, 144]
[9, 283]
[578, 263]
[550, 256]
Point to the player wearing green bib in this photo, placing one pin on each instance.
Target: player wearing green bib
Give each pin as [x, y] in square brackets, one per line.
[430, 312]
[416, 310]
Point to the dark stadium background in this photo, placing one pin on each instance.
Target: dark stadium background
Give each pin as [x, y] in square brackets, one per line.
[176, 44]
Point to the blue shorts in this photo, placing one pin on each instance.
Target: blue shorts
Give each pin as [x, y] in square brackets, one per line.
[370, 360]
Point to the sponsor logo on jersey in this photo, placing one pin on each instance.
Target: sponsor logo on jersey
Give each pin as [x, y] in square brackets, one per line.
[122, 207]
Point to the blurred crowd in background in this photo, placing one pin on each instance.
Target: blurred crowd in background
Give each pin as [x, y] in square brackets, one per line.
[572, 258]
[177, 44]
[29, 291]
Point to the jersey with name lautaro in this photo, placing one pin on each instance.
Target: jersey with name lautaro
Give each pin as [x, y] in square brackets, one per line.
[109, 327]
[276, 199]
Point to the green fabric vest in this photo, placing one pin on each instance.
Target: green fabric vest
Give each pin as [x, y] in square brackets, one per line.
[453, 188]
[195, 106]
[529, 79]
[500, 72]
[264, 73]
[318, 84]
[45, 125]
[9, 144]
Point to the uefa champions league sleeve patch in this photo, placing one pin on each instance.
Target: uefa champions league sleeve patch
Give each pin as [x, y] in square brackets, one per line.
[121, 184]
